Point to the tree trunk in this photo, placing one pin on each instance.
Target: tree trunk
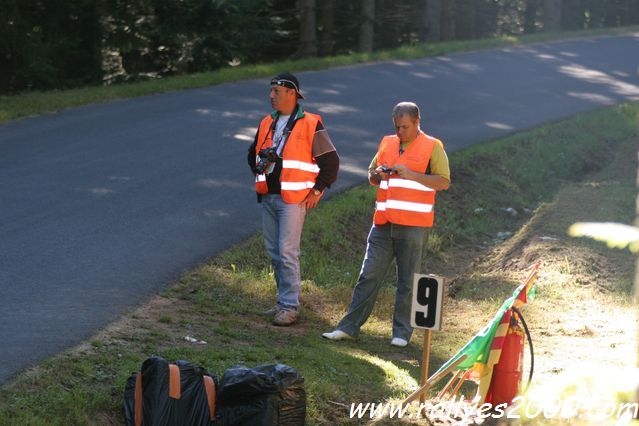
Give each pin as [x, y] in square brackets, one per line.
[366, 29]
[486, 18]
[530, 16]
[573, 15]
[596, 9]
[430, 28]
[465, 19]
[552, 15]
[448, 20]
[326, 26]
[633, 12]
[308, 39]
[617, 13]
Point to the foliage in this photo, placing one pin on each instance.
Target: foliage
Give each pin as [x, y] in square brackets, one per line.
[60, 44]
[37, 102]
[163, 37]
[45, 44]
[615, 235]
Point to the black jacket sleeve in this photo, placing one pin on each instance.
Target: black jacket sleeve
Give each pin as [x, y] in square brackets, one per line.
[251, 156]
[326, 158]
[329, 165]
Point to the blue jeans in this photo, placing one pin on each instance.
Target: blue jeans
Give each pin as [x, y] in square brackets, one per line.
[282, 227]
[385, 243]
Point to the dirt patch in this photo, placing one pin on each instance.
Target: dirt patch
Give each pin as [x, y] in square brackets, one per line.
[583, 313]
[583, 319]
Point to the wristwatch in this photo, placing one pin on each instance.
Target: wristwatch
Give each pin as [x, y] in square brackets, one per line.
[317, 192]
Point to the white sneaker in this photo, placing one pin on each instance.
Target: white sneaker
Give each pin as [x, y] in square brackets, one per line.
[336, 335]
[400, 343]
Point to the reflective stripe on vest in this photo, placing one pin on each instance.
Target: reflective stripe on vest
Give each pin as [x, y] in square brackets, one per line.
[404, 183]
[403, 205]
[296, 186]
[299, 170]
[404, 201]
[306, 167]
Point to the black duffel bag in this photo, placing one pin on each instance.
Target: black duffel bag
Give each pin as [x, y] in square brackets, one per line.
[165, 394]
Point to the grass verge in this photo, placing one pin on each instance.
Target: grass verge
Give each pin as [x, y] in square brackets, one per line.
[33, 103]
[546, 175]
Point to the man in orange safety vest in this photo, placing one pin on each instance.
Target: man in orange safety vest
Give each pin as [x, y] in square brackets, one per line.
[294, 161]
[409, 168]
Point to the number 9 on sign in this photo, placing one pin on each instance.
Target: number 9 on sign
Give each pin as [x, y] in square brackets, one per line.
[426, 311]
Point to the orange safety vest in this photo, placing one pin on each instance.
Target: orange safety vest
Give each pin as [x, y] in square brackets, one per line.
[404, 201]
[299, 169]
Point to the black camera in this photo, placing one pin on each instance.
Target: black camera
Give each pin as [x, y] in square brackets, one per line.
[267, 157]
[386, 169]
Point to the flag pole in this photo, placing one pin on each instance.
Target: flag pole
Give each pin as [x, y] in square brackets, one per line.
[434, 379]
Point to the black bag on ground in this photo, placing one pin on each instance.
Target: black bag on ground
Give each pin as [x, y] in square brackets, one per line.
[164, 394]
[261, 396]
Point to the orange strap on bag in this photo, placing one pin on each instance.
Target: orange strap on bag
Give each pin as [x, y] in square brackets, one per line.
[138, 399]
[174, 382]
[175, 391]
[209, 387]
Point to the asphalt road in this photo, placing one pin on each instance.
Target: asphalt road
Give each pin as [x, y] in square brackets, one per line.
[103, 206]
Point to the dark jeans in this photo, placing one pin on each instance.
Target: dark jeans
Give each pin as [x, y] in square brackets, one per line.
[385, 243]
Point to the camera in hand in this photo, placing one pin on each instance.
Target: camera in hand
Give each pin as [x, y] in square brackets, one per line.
[386, 169]
[267, 157]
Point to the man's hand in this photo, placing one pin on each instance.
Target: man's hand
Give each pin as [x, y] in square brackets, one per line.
[403, 171]
[381, 174]
[312, 199]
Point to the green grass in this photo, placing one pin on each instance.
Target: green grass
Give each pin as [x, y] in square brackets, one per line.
[220, 301]
[33, 103]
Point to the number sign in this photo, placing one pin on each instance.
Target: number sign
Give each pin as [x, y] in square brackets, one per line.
[428, 293]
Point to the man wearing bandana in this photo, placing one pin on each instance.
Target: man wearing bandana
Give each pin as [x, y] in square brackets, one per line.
[294, 161]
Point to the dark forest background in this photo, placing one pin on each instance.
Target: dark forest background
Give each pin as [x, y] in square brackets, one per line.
[56, 44]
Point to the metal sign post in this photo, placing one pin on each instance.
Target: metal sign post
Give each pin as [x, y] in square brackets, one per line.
[426, 313]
